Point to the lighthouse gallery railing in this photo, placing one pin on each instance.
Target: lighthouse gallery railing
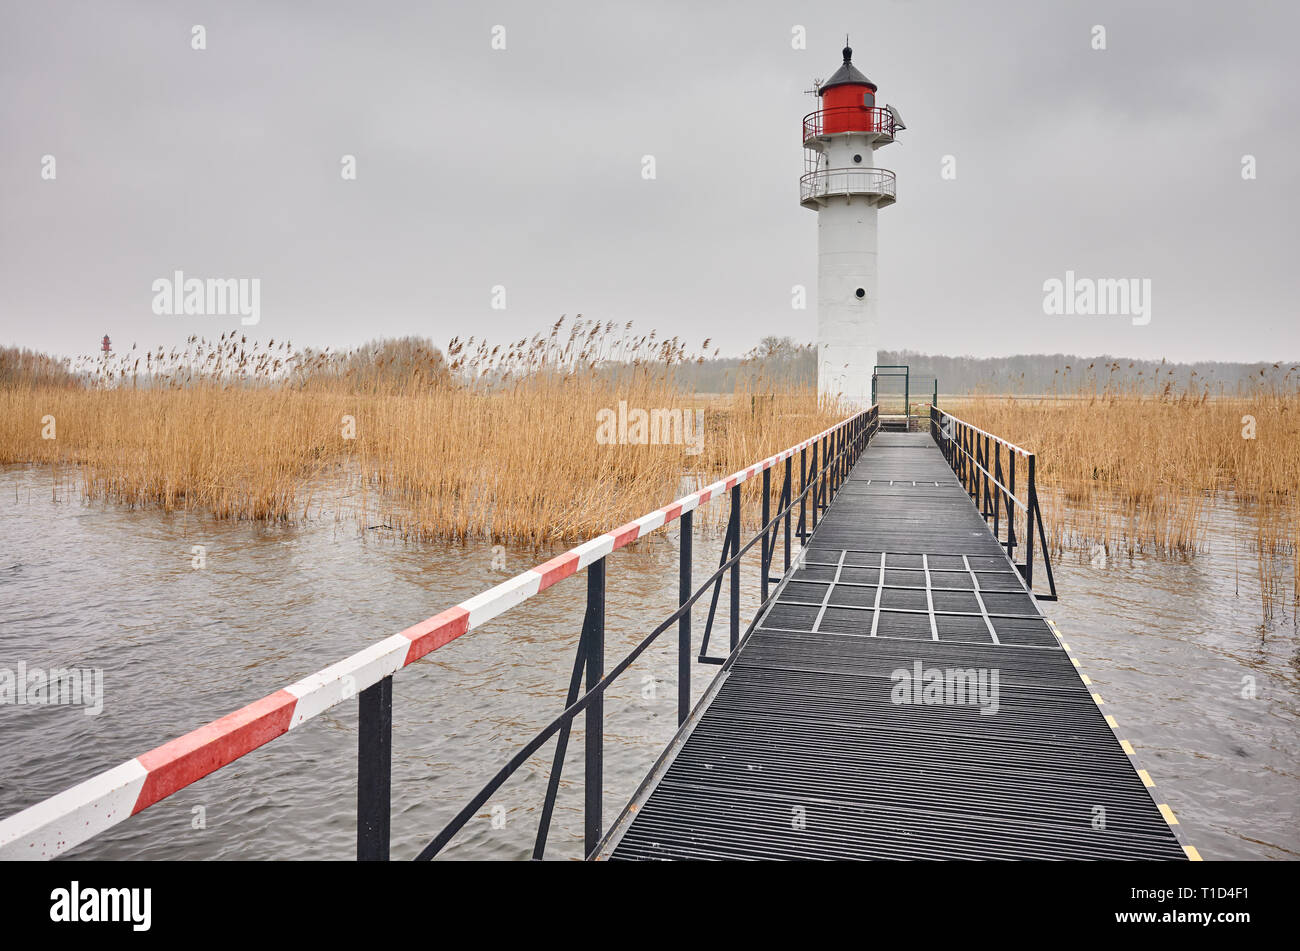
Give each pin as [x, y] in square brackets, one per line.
[95, 805]
[848, 119]
[847, 181]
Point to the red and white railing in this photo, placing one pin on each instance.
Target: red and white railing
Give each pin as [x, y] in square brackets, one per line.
[70, 818]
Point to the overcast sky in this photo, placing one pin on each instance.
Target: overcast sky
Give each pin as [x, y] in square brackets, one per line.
[522, 167]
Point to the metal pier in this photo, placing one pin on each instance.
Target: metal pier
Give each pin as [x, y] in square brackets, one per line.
[809, 745]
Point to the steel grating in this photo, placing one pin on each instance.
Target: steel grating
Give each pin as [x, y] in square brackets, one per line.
[811, 744]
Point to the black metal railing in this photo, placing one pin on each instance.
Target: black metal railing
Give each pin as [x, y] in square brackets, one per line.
[822, 469]
[976, 457]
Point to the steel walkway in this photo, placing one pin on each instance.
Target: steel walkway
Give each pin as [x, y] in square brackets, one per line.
[811, 744]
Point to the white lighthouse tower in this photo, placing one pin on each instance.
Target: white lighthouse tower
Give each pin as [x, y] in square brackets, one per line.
[843, 185]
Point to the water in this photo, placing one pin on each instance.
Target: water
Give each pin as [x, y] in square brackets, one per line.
[1203, 688]
[95, 585]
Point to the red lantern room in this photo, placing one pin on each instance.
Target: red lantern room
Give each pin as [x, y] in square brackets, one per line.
[848, 105]
[848, 98]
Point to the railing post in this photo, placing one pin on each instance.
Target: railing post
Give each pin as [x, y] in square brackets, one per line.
[1011, 511]
[593, 630]
[803, 497]
[823, 487]
[1030, 506]
[968, 460]
[814, 483]
[839, 460]
[997, 488]
[833, 461]
[735, 566]
[684, 622]
[988, 467]
[374, 770]
[765, 554]
[785, 504]
[841, 457]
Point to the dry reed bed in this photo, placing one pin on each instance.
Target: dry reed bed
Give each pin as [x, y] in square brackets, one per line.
[497, 444]
[1134, 472]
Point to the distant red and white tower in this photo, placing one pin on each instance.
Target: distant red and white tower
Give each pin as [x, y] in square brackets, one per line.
[842, 184]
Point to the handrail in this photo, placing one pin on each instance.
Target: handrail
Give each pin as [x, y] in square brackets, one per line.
[593, 834]
[1006, 442]
[878, 120]
[994, 481]
[81, 812]
[870, 181]
[970, 451]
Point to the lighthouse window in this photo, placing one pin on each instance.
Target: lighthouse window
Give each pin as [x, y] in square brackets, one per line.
[857, 159]
[861, 292]
[868, 99]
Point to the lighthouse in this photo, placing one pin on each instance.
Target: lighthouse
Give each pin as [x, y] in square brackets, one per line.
[843, 185]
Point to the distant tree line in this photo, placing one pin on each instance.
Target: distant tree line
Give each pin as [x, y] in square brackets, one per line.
[775, 363]
[1035, 374]
[781, 359]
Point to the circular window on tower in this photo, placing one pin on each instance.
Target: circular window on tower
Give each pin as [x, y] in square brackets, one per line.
[857, 159]
[861, 293]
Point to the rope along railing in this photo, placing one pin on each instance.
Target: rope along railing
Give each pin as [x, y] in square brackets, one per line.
[976, 457]
[76, 815]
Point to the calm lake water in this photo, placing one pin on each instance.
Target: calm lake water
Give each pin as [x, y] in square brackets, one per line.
[1172, 644]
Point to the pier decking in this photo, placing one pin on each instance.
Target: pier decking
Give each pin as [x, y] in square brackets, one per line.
[810, 745]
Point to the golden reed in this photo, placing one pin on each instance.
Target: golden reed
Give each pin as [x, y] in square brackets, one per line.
[494, 443]
[1136, 471]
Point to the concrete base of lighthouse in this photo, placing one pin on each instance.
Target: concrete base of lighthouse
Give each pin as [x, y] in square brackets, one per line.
[847, 321]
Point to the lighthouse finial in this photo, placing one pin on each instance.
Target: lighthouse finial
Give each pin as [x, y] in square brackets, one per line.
[848, 50]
